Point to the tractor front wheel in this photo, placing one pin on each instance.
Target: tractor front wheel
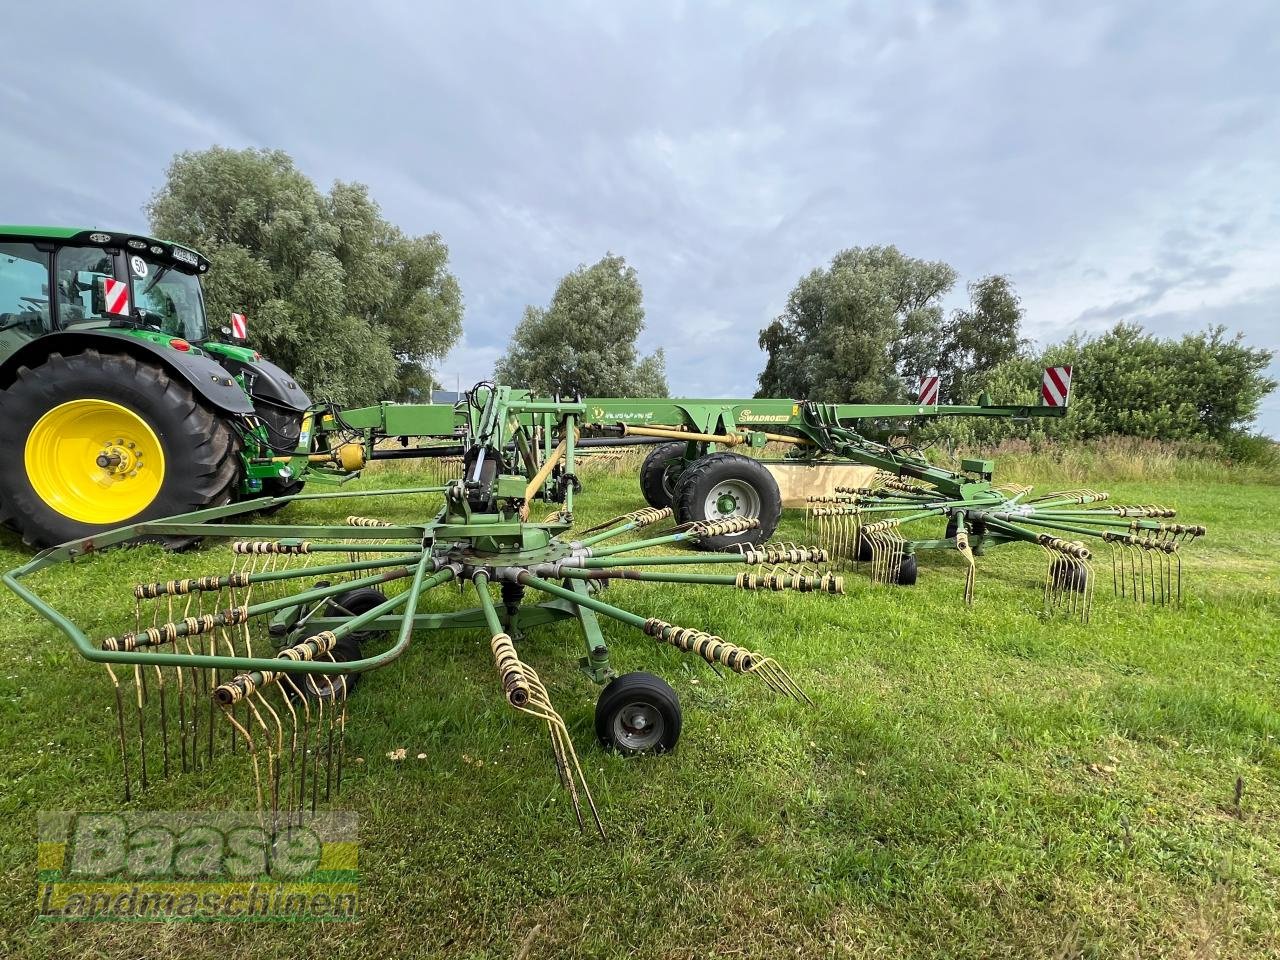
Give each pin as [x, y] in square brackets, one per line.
[100, 440]
[723, 486]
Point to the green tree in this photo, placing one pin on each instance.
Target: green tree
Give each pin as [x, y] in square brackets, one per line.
[585, 341]
[858, 329]
[353, 307]
[980, 337]
[1201, 387]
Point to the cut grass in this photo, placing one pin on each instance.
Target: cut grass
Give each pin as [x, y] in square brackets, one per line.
[971, 782]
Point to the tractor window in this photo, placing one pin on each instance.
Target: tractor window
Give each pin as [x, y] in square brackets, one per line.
[78, 269]
[168, 298]
[24, 294]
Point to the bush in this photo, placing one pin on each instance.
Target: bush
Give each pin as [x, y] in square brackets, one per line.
[1203, 387]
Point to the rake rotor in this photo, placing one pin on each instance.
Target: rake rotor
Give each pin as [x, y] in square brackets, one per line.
[259, 654]
[866, 524]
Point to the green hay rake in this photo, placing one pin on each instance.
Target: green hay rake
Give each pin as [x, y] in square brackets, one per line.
[259, 654]
[864, 498]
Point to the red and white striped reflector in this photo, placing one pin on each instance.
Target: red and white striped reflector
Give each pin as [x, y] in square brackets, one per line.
[116, 295]
[928, 392]
[1056, 387]
[239, 326]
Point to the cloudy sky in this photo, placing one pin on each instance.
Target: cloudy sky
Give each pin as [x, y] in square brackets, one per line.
[1117, 160]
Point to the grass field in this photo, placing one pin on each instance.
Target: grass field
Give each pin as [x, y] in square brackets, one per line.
[971, 782]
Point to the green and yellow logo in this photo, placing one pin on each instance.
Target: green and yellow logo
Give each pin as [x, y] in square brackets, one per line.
[750, 416]
[196, 866]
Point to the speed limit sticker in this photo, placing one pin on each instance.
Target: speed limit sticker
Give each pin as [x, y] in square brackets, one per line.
[139, 266]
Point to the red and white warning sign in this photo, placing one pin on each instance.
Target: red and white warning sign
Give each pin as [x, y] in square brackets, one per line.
[116, 295]
[928, 392]
[1056, 387]
[239, 326]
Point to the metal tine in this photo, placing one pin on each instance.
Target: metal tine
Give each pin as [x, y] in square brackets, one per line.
[253, 753]
[273, 757]
[292, 692]
[212, 676]
[270, 758]
[315, 752]
[971, 573]
[778, 680]
[182, 708]
[140, 696]
[164, 718]
[342, 733]
[298, 751]
[524, 692]
[124, 748]
[293, 744]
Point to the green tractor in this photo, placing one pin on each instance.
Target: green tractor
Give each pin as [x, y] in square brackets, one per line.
[117, 404]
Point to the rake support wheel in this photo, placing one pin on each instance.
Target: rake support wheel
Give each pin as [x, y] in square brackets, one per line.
[638, 713]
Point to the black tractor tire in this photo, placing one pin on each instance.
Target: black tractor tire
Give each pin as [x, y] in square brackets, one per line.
[638, 713]
[655, 483]
[739, 478]
[201, 451]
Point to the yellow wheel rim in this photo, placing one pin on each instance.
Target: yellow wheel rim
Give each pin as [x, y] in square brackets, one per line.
[94, 461]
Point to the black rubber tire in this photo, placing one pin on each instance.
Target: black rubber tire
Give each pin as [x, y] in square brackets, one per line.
[702, 476]
[202, 452]
[280, 488]
[632, 689]
[358, 601]
[1068, 576]
[655, 485]
[907, 571]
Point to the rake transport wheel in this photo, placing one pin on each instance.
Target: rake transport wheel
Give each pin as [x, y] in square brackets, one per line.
[638, 713]
[99, 440]
[658, 476]
[905, 575]
[725, 485]
[349, 604]
[906, 572]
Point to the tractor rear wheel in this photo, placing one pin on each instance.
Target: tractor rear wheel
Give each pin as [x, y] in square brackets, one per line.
[722, 486]
[658, 475]
[102, 440]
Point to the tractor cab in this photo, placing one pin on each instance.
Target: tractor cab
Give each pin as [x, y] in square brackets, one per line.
[120, 404]
[54, 279]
